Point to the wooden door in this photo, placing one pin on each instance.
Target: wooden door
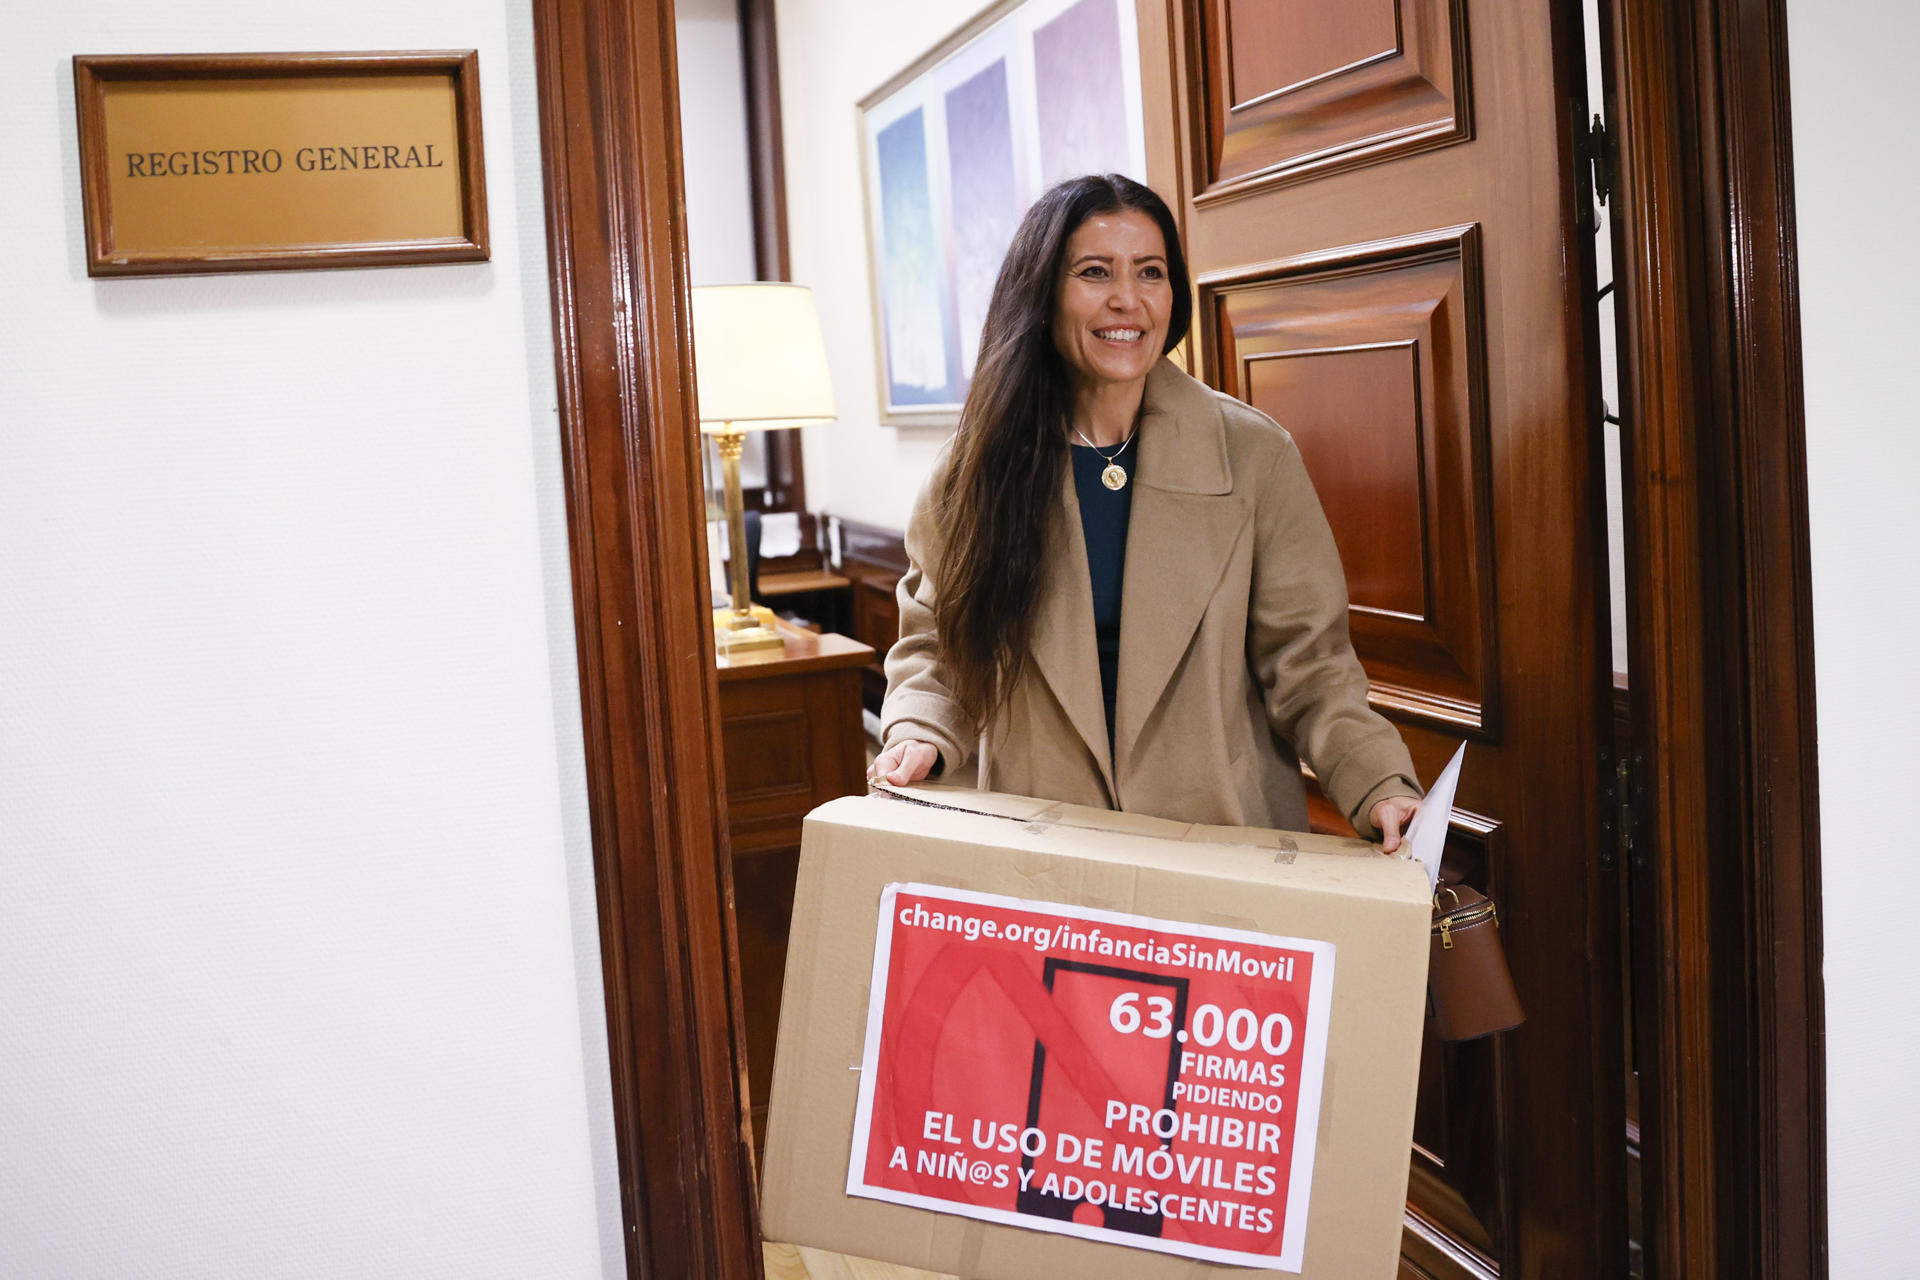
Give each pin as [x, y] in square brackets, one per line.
[1385, 224]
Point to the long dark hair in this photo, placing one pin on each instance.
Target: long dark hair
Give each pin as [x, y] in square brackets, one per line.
[1009, 454]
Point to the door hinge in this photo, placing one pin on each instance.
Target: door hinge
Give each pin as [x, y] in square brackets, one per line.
[1621, 786]
[1599, 147]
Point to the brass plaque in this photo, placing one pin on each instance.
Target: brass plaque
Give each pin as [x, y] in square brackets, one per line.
[271, 161]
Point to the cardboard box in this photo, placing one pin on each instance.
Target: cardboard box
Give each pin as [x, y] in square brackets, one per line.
[1023, 1039]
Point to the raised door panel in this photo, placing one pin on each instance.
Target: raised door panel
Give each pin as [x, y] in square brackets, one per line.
[1371, 357]
[1275, 45]
[1304, 87]
[1374, 491]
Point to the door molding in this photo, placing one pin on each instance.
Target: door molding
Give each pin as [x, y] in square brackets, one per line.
[616, 234]
[1723, 663]
[1723, 641]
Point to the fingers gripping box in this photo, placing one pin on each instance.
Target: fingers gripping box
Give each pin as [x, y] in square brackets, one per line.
[1023, 1039]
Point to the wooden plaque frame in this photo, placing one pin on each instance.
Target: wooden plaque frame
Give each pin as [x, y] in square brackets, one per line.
[105, 257]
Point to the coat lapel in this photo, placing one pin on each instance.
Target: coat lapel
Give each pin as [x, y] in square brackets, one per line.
[1185, 522]
[1063, 644]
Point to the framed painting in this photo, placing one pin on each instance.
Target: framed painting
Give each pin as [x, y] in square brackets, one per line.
[955, 148]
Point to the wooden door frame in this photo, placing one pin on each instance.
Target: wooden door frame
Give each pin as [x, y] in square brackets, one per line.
[1723, 675]
[1722, 660]
[616, 236]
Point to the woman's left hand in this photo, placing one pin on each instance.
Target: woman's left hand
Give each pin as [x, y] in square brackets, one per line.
[1390, 818]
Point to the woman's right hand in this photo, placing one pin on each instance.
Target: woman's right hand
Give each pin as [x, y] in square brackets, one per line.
[904, 763]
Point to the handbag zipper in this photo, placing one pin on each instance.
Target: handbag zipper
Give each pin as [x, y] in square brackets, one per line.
[1473, 916]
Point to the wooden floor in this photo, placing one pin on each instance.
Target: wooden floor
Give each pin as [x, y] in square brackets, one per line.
[792, 1262]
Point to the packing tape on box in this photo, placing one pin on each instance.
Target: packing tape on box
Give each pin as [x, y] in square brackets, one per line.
[1042, 822]
[1226, 920]
[1285, 849]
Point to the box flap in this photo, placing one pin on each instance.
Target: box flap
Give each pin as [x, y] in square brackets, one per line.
[1332, 864]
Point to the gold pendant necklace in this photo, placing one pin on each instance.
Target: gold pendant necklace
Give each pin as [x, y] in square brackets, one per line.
[1114, 476]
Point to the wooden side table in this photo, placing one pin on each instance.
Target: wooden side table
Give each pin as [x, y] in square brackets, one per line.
[791, 733]
[818, 595]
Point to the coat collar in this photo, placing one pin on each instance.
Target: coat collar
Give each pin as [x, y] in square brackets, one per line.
[1183, 438]
[1180, 537]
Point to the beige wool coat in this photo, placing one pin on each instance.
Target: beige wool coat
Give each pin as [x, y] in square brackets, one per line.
[1234, 657]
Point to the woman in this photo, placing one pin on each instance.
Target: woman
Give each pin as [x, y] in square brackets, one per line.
[1123, 592]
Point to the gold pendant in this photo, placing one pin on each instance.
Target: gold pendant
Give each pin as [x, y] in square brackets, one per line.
[1113, 477]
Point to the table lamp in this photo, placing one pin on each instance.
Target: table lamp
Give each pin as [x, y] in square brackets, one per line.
[760, 365]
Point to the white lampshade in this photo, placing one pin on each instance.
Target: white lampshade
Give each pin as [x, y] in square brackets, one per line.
[761, 362]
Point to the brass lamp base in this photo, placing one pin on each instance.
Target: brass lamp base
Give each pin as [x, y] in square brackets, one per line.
[733, 632]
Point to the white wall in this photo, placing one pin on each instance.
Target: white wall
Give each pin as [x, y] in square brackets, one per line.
[832, 54]
[1855, 195]
[298, 974]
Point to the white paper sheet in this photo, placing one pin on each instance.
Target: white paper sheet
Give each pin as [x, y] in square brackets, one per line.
[1427, 833]
[779, 534]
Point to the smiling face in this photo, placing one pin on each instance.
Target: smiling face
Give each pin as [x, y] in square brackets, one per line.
[1110, 313]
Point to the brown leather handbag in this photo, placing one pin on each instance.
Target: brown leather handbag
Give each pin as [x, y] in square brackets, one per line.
[1469, 987]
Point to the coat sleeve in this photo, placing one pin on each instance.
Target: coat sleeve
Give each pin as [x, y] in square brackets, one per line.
[1297, 646]
[918, 703]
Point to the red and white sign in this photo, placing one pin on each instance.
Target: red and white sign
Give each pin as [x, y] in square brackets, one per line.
[1124, 1079]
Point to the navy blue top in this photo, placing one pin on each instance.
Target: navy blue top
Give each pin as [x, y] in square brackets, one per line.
[1104, 514]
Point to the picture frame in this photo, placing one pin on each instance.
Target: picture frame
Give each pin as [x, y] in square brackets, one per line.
[196, 163]
[953, 150]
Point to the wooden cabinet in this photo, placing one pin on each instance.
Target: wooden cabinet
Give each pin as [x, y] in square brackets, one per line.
[873, 559]
[790, 729]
